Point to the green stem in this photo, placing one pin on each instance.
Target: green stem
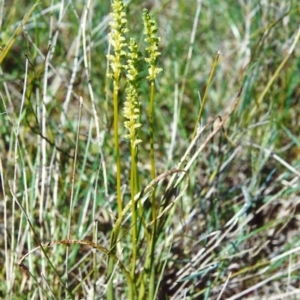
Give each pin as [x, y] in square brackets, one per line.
[117, 148]
[149, 265]
[152, 158]
[152, 263]
[114, 236]
[133, 186]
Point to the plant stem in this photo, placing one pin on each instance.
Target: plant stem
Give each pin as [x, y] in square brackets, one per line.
[114, 237]
[150, 259]
[117, 148]
[133, 188]
[151, 129]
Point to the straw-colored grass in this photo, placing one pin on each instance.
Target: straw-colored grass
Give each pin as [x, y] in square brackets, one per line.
[168, 169]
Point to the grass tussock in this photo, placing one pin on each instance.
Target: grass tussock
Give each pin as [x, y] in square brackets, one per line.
[149, 150]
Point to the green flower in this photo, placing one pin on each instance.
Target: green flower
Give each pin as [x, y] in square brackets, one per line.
[131, 110]
[117, 38]
[150, 31]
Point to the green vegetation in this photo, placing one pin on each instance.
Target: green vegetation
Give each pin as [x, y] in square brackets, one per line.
[149, 150]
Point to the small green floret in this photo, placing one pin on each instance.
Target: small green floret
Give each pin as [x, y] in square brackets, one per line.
[150, 31]
[132, 105]
[117, 38]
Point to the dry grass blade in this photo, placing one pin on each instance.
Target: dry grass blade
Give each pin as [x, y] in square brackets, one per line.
[39, 243]
[216, 129]
[68, 242]
[145, 194]
[17, 32]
